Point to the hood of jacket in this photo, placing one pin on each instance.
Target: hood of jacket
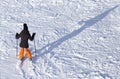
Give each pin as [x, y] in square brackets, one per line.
[25, 27]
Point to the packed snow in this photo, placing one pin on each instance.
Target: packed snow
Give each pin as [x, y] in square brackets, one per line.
[75, 39]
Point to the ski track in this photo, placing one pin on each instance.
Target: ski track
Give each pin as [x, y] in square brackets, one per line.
[75, 39]
[24, 70]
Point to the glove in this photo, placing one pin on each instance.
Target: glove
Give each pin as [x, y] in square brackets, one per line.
[16, 36]
[34, 34]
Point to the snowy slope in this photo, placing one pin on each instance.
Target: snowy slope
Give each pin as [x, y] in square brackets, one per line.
[75, 39]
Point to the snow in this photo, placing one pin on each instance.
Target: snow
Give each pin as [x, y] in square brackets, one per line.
[75, 39]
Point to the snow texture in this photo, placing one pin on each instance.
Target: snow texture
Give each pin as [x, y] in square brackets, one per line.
[75, 39]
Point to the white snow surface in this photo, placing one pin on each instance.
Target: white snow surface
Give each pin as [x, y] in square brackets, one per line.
[75, 39]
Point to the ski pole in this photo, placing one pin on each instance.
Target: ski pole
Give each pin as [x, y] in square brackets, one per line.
[34, 46]
[16, 47]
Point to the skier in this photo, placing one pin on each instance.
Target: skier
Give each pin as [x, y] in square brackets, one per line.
[25, 35]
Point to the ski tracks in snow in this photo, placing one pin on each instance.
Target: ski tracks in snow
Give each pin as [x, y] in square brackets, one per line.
[26, 69]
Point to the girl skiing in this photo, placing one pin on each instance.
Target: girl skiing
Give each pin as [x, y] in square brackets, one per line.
[25, 36]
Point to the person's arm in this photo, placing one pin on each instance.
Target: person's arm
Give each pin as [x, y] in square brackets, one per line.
[32, 37]
[17, 36]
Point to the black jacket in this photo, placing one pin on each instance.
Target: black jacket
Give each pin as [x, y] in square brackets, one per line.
[24, 35]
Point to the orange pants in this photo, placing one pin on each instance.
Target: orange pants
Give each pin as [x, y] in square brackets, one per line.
[28, 54]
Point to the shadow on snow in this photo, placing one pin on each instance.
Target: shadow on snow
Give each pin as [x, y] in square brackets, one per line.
[49, 47]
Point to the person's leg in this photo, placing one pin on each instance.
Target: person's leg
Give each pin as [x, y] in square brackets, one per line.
[28, 53]
[21, 54]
